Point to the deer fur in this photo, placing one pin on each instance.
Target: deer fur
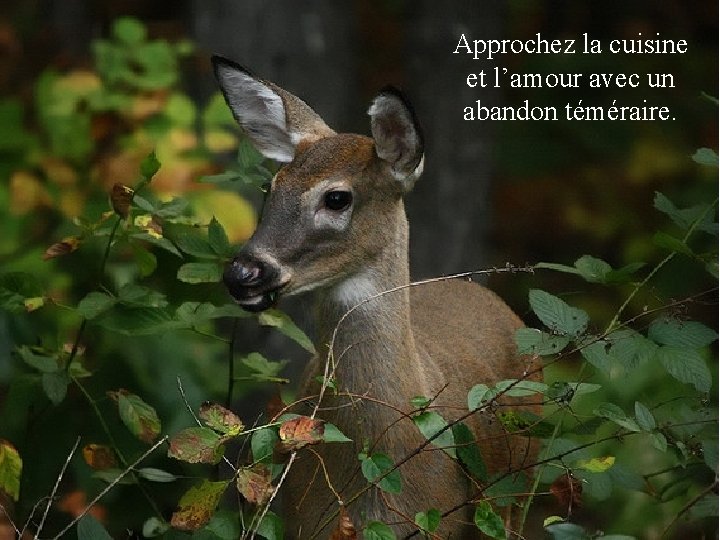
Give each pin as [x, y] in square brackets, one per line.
[437, 339]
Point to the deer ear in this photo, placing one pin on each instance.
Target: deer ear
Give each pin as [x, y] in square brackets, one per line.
[274, 120]
[398, 136]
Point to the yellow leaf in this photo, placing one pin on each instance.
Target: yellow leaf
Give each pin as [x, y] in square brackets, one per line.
[27, 193]
[220, 141]
[596, 465]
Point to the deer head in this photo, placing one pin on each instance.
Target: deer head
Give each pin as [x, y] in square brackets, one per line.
[336, 202]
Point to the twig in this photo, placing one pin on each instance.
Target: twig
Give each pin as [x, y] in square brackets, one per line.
[56, 486]
[231, 363]
[327, 476]
[266, 508]
[111, 485]
[12, 523]
[689, 505]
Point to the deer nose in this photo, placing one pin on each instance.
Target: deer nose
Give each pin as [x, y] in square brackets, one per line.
[245, 272]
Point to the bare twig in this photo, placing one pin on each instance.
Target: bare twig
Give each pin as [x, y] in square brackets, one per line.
[55, 487]
[689, 505]
[111, 485]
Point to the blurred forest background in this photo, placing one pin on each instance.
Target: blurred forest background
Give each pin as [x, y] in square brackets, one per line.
[76, 116]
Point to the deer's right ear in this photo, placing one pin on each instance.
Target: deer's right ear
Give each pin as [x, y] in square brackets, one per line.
[274, 120]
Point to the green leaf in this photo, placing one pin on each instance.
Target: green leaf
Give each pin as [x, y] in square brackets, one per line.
[597, 355]
[218, 239]
[520, 388]
[137, 295]
[225, 525]
[197, 505]
[710, 453]
[686, 365]
[334, 435]
[89, 528]
[567, 531]
[630, 348]
[685, 217]
[558, 267]
[198, 272]
[430, 424]
[705, 156]
[478, 394]
[190, 240]
[669, 242]
[428, 521]
[675, 488]
[149, 166]
[488, 521]
[129, 31]
[139, 417]
[138, 321]
[196, 445]
[373, 467]
[286, 326]
[376, 530]
[420, 402]
[262, 444]
[504, 492]
[468, 452]
[615, 414]
[94, 304]
[10, 470]
[552, 519]
[144, 259]
[261, 366]
[41, 362]
[557, 315]
[156, 475]
[659, 441]
[644, 417]
[705, 507]
[593, 270]
[681, 334]
[271, 527]
[55, 386]
[533, 341]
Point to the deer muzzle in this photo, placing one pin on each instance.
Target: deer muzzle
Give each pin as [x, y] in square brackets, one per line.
[253, 283]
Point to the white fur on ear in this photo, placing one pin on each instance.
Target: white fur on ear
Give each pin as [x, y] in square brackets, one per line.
[397, 134]
[258, 109]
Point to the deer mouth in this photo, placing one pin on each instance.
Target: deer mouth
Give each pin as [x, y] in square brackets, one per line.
[254, 300]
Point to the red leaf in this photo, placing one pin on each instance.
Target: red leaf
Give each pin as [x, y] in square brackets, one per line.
[254, 483]
[99, 456]
[68, 245]
[345, 529]
[301, 431]
[568, 491]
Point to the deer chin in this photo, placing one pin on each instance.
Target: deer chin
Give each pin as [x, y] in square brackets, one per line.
[254, 301]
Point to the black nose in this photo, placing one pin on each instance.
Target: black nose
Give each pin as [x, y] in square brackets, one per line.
[244, 271]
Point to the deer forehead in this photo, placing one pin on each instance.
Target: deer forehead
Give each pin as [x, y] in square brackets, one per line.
[341, 157]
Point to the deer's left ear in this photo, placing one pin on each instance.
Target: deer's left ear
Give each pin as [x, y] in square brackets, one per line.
[398, 136]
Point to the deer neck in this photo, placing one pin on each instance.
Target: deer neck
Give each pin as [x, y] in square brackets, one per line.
[370, 335]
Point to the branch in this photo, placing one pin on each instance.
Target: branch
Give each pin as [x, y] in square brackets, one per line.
[56, 486]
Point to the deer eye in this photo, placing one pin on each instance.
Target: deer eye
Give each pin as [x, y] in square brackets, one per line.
[338, 200]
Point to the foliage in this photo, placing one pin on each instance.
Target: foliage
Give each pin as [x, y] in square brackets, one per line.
[128, 296]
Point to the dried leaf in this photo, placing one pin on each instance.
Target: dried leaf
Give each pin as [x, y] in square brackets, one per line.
[301, 431]
[568, 491]
[99, 456]
[197, 505]
[255, 484]
[196, 445]
[220, 419]
[275, 406]
[67, 245]
[75, 503]
[150, 225]
[121, 196]
[345, 529]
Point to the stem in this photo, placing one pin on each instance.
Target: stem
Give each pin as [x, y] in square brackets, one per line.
[231, 363]
[690, 231]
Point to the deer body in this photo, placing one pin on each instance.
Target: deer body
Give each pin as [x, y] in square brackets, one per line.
[335, 223]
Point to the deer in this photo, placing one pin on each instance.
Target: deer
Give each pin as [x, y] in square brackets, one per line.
[334, 224]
